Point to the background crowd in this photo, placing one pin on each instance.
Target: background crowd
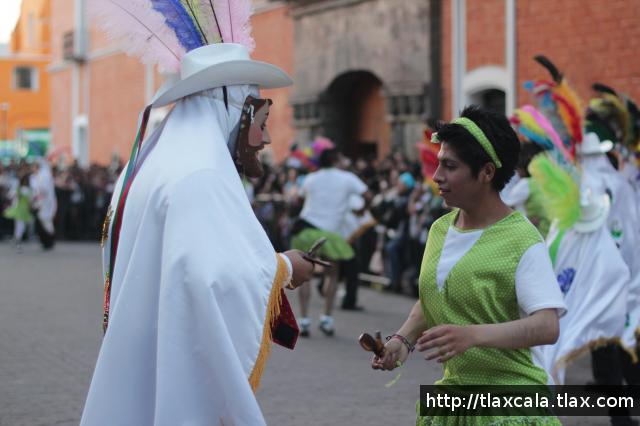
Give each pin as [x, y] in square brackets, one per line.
[389, 248]
[82, 196]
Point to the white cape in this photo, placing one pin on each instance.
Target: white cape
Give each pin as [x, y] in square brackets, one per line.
[191, 284]
[594, 280]
[624, 224]
[44, 194]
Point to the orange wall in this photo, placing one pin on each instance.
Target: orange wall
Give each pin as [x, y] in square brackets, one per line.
[32, 33]
[273, 32]
[27, 109]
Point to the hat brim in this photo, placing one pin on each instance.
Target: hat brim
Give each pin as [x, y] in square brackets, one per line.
[229, 73]
[594, 224]
[603, 148]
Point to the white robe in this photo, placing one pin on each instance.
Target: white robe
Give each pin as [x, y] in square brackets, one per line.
[594, 280]
[45, 195]
[191, 284]
[624, 224]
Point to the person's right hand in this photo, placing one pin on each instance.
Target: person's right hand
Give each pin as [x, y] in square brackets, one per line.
[302, 268]
[394, 351]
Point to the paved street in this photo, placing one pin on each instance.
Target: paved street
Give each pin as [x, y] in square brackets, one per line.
[50, 307]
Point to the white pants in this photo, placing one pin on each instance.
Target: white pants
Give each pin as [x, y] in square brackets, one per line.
[18, 230]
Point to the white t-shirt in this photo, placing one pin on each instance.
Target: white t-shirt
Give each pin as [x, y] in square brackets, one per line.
[536, 284]
[326, 194]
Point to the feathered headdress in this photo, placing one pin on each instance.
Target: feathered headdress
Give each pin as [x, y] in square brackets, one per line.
[560, 103]
[618, 112]
[535, 127]
[561, 190]
[428, 154]
[162, 31]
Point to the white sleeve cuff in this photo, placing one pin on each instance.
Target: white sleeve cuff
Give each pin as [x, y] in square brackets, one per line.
[289, 265]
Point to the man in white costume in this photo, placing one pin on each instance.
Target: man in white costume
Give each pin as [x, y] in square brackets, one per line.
[44, 202]
[623, 221]
[193, 287]
[594, 281]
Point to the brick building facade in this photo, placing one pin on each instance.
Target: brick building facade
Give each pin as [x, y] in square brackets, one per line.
[589, 41]
[366, 72]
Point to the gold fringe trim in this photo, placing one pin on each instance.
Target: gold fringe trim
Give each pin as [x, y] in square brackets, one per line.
[105, 227]
[361, 230]
[273, 311]
[564, 361]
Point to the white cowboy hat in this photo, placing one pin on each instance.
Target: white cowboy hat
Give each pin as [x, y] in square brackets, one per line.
[217, 65]
[591, 145]
[594, 210]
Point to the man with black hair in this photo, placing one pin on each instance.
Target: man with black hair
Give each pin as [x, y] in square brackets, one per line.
[488, 293]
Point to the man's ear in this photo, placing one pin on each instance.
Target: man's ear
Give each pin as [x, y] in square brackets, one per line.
[487, 172]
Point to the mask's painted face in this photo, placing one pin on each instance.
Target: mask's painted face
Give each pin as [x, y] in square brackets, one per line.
[253, 136]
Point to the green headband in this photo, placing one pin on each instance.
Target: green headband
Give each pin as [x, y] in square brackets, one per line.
[478, 134]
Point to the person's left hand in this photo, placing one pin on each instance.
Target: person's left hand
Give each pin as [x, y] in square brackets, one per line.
[302, 268]
[449, 340]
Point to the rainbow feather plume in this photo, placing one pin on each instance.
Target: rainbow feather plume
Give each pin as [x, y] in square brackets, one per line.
[622, 114]
[205, 19]
[560, 190]
[570, 109]
[549, 130]
[529, 128]
[141, 30]
[178, 18]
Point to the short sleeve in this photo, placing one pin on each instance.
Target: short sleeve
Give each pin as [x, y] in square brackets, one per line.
[536, 284]
[304, 186]
[359, 187]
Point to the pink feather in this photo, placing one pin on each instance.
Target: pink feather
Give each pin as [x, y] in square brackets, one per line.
[234, 19]
[141, 29]
[549, 130]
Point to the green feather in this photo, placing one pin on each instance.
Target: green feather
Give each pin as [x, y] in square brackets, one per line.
[193, 8]
[561, 192]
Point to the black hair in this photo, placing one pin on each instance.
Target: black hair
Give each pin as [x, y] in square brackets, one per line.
[328, 158]
[497, 129]
[528, 150]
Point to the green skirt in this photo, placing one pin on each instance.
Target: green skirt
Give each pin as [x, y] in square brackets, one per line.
[463, 420]
[336, 248]
[488, 421]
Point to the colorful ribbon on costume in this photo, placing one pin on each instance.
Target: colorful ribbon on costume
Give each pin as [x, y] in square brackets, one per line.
[117, 217]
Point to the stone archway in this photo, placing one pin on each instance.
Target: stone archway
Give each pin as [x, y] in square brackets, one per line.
[353, 114]
[487, 87]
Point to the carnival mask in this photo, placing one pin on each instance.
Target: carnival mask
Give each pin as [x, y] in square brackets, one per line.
[253, 136]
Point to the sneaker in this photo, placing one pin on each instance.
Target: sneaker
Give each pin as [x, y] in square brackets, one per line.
[304, 325]
[326, 325]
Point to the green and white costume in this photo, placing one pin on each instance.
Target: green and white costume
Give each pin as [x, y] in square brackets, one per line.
[493, 275]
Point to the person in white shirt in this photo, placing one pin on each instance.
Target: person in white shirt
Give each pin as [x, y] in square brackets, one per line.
[326, 196]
